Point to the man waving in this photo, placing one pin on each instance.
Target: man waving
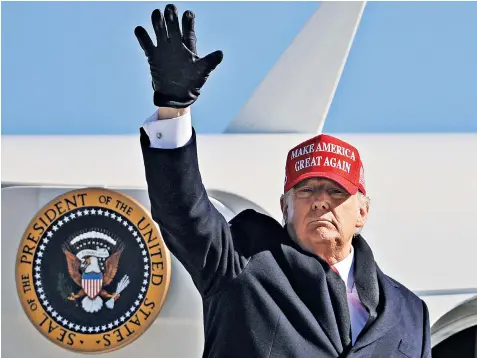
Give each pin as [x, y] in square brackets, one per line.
[310, 288]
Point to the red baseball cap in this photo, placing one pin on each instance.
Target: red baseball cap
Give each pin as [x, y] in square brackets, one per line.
[325, 156]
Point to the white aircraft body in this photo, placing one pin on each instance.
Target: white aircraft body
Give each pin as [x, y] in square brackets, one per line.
[423, 190]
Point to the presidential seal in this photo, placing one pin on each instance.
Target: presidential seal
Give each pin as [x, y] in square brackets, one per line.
[92, 270]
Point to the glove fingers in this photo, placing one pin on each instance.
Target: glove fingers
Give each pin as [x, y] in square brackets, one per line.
[208, 63]
[188, 31]
[172, 22]
[144, 40]
[157, 20]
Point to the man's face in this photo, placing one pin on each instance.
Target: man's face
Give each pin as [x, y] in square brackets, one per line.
[324, 215]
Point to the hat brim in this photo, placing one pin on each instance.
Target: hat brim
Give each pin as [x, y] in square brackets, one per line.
[345, 183]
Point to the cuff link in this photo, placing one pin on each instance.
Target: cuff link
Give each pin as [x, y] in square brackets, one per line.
[159, 135]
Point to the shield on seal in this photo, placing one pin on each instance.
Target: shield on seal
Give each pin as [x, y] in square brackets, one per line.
[92, 283]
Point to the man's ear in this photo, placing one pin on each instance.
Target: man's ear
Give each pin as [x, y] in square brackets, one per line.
[362, 216]
[283, 205]
[284, 208]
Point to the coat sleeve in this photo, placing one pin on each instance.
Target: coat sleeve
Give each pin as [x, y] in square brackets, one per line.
[426, 339]
[193, 229]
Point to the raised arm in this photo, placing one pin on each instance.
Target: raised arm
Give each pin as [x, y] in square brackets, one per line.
[195, 232]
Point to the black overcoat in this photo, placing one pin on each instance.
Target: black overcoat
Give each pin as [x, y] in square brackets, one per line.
[262, 295]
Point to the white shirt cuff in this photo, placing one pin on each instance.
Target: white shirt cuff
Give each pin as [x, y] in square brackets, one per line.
[168, 133]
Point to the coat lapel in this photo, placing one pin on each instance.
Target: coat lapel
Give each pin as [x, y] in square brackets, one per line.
[387, 315]
[365, 277]
[308, 279]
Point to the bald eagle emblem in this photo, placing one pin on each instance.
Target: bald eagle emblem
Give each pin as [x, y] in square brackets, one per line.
[93, 268]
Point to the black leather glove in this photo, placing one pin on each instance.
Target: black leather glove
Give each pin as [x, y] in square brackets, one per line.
[177, 72]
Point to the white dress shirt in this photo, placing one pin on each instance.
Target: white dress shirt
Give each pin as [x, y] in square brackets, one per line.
[168, 133]
[176, 132]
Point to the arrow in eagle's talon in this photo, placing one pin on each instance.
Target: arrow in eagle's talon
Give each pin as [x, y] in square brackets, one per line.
[72, 297]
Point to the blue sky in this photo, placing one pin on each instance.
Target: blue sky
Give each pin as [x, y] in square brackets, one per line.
[76, 67]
